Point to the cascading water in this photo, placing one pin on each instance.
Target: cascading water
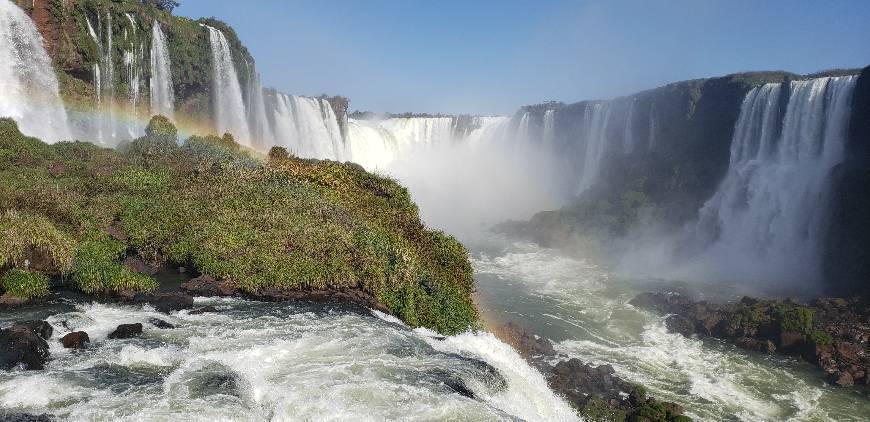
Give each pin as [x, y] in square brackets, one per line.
[766, 221]
[261, 133]
[28, 87]
[134, 58]
[229, 107]
[162, 94]
[307, 127]
[596, 121]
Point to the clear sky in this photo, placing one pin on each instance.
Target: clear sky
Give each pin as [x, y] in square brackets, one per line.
[494, 56]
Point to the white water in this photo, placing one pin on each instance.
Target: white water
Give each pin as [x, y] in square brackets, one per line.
[307, 127]
[229, 107]
[261, 133]
[162, 94]
[584, 308]
[275, 361]
[767, 219]
[28, 87]
[596, 121]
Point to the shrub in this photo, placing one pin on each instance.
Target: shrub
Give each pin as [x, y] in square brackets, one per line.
[794, 318]
[28, 239]
[25, 284]
[97, 269]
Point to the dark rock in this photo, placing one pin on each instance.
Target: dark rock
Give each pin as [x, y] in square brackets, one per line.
[791, 340]
[23, 417]
[75, 340]
[126, 331]
[528, 345]
[116, 230]
[755, 345]
[843, 379]
[21, 345]
[159, 323]
[168, 302]
[9, 300]
[139, 266]
[203, 310]
[41, 328]
[578, 381]
[206, 285]
[680, 324]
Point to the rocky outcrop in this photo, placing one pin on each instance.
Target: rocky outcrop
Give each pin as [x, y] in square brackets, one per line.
[833, 334]
[125, 331]
[75, 340]
[24, 344]
[167, 302]
[596, 391]
[161, 324]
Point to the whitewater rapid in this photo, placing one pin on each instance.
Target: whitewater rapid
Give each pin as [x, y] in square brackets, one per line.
[274, 361]
[584, 308]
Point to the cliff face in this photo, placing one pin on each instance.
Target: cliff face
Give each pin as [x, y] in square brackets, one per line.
[116, 35]
[847, 255]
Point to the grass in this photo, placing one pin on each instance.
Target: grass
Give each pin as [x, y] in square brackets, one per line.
[209, 204]
[25, 284]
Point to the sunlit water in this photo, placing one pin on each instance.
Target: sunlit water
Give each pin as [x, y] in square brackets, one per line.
[272, 361]
[585, 310]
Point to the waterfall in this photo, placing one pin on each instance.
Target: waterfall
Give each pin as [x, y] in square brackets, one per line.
[549, 130]
[767, 219]
[229, 107]
[261, 134]
[628, 138]
[596, 120]
[308, 127]
[134, 57]
[29, 87]
[162, 95]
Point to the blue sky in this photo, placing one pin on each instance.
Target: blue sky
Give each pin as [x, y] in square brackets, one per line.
[494, 56]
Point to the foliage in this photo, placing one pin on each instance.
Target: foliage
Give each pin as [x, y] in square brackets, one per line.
[166, 5]
[794, 318]
[210, 205]
[25, 284]
[26, 239]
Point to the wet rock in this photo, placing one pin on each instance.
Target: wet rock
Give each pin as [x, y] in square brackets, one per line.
[41, 328]
[159, 323]
[528, 345]
[21, 345]
[453, 382]
[23, 417]
[212, 379]
[579, 381]
[680, 324]
[75, 340]
[126, 331]
[747, 343]
[203, 310]
[791, 340]
[843, 379]
[206, 285]
[168, 302]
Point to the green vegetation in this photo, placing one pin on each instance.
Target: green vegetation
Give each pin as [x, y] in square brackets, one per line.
[209, 204]
[24, 284]
[794, 318]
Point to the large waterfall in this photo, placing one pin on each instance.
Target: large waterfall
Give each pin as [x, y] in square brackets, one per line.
[229, 106]
[28, 87]
[261, 133]
[307, 127]
[162, 95]
[768, 217]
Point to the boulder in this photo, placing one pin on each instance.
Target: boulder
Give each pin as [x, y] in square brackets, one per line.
[9, 300]
[139, 266]
[789, 340]
[126, 331]
[159, 323]
[206, 285]
[41, 328]
[680, 324]
[75, 340]
[755, 345]
[21, 345]
[527, 344]
[168, 302]
[203, 310]
[843, 379]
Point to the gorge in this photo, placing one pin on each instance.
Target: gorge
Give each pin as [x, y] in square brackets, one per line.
[318, 243]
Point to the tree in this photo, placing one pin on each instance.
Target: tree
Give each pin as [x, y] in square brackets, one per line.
[166, 5]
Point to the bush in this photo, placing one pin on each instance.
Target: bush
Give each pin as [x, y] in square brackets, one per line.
[98, 270]
[794, 318]
[28, 239]
[25, 284]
